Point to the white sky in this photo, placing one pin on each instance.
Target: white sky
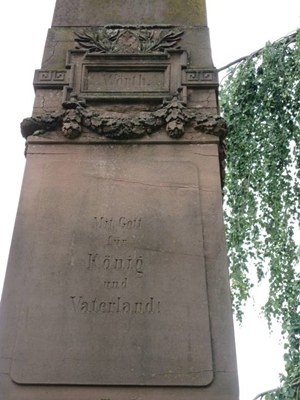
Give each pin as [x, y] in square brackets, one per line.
[237, 27]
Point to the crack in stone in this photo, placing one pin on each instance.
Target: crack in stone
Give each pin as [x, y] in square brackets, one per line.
[195, 187]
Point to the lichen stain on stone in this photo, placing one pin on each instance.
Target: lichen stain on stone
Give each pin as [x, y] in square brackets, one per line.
[191, 12]
[111, 11]
[183, 12]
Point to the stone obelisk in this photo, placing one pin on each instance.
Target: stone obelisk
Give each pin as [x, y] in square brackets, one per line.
[117, 284]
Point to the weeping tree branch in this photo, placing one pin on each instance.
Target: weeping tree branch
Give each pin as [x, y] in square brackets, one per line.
[260, 102]
[263, 394]
[291, 38]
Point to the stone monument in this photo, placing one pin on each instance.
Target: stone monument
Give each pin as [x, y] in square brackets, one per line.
[117, 284]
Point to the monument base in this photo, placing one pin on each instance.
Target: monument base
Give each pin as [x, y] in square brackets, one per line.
[121, 291]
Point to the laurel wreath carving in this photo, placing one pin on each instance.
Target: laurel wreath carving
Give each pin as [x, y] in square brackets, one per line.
[124, 40]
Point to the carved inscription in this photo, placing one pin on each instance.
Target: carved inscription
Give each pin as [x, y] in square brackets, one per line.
[117, 272]
[122, 293]
[113, 263]
[125, 81]
[116, 284]
[83, 304]
[115, 241]
[109, 223]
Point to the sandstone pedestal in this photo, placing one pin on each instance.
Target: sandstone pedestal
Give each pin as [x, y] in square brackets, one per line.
[117, 284]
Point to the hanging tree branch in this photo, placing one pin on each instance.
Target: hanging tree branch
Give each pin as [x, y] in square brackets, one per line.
[291, 38]
[260, 100]
[261, 395]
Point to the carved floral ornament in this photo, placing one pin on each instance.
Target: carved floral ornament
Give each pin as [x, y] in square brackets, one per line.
[172, 115]
[128, 40]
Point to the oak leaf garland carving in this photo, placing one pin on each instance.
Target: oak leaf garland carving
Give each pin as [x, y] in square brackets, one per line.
[172, 115]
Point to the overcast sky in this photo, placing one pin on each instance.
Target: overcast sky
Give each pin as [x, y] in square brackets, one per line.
[237, 27]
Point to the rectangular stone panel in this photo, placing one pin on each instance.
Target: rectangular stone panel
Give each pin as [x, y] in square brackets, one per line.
[116, 282]
[132, 80]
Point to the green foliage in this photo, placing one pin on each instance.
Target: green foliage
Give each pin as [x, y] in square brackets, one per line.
[260, 101]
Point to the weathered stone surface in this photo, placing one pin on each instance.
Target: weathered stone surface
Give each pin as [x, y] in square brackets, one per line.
[172, 115]
[124, 81]
[90, 12]
[103, 285]
[60, 40]
[129, 40]
[77, 304]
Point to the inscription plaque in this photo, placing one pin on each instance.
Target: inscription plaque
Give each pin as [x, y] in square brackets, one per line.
[121, 283]
[134, 80]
